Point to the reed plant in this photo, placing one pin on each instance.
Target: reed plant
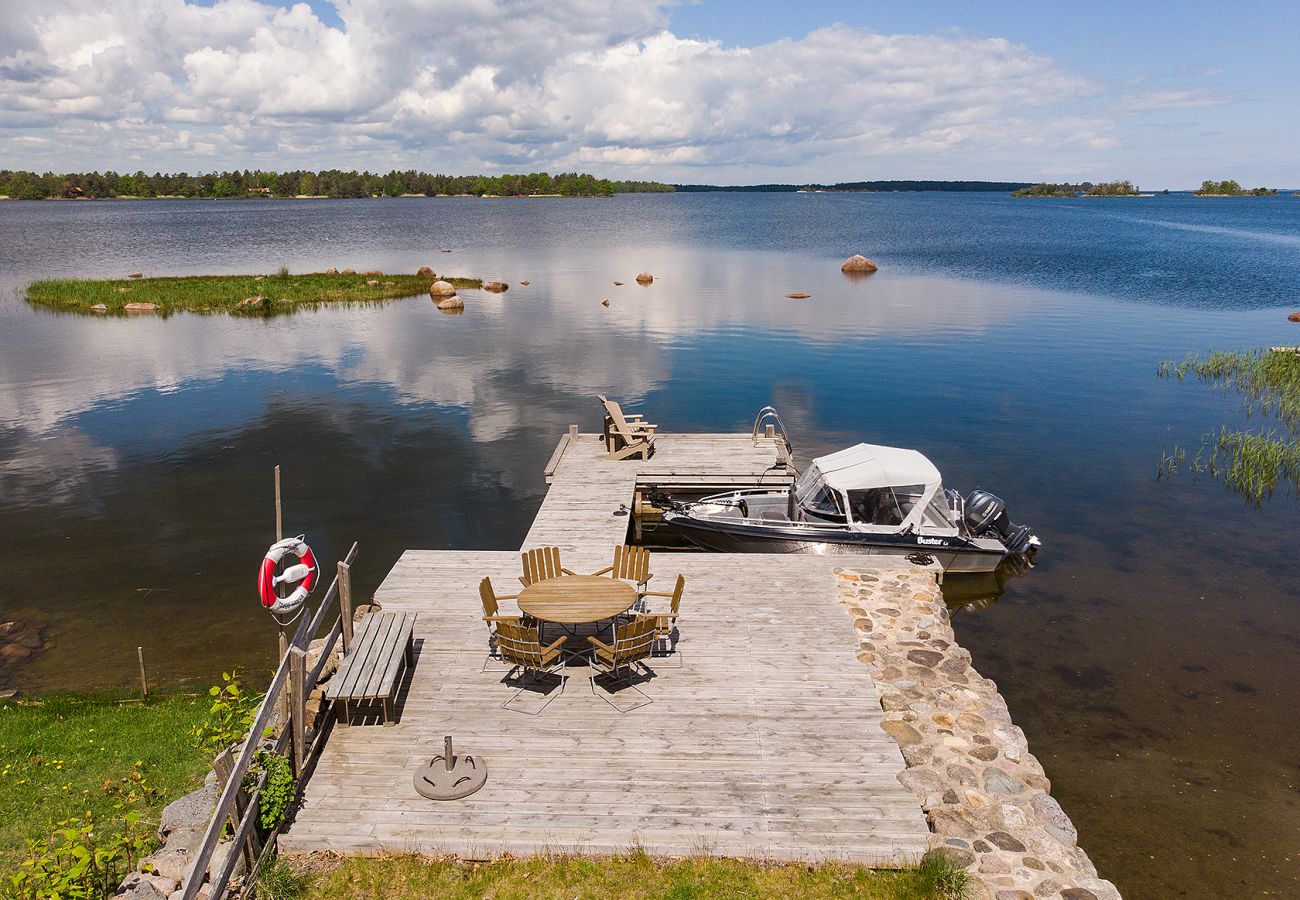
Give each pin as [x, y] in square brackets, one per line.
[1253, 463]
[248, 295]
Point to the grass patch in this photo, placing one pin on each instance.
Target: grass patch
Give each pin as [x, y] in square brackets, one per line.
[635, 876]
[61, 756]
[1251, 463]
[250, 295]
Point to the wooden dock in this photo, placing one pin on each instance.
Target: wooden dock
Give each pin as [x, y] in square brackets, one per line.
[766, 742]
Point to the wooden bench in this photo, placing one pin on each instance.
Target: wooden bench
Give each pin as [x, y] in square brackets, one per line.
[374, 666]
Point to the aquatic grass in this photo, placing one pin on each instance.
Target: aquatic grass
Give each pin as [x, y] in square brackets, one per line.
[251, 295]
[634, 876]
[1251, 463]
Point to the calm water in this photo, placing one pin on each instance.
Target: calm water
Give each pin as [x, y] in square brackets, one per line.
[1151, 657]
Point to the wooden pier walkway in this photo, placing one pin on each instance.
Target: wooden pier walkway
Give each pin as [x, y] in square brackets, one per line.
[579, 513]
[766, 742]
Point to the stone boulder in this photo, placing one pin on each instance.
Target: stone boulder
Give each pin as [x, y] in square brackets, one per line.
[1294, 317]
[194, 810]
[139, 886]
[176, 858]
[452, 302]
[141, 307]
[605, 302]
[99, 307]
[425, 272]
[798, 296]
[221, 856]
[331, 271]
[858, 263]
[371, 282]
[645, 278]
[441, 289]
[136, 275]
[348, 272]
[524, 283]
[496, 287]
[249, 302]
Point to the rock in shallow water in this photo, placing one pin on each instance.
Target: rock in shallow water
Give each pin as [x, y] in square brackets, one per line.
[858, 263]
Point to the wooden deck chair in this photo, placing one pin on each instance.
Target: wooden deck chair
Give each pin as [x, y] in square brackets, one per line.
[630, 564]
[626, 435]
[666, 623]
[521, 647]
[540, 564]
[492, 616]
[633, 644]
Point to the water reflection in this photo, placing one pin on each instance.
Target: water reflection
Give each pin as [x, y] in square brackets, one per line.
[977, 591]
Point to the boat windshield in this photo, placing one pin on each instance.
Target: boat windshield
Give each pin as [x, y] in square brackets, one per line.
[818, 498]
[886, 507]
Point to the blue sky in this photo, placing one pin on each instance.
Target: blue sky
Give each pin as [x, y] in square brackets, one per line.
[1165, 94]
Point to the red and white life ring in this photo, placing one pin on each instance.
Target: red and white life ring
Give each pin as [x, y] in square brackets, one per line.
[303, 574]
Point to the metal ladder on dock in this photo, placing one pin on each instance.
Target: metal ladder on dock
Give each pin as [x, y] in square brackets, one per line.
[773, 429]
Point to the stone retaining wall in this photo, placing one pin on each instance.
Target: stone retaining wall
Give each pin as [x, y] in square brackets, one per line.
[985, 796]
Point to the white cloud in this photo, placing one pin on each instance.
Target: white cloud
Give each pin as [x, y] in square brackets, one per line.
[459, 85]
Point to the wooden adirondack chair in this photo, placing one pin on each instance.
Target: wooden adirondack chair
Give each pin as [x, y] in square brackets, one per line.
[633, 644]
[630, 564]
[666, 622]
[626, 434]
[521, 647]
[540, 564]
[492, 616]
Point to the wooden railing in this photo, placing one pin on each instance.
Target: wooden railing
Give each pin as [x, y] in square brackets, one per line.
[240, 808]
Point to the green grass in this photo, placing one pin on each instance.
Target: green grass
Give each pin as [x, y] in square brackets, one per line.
[1251, 463]
[635, 876]
[281, 292]
[59, 753]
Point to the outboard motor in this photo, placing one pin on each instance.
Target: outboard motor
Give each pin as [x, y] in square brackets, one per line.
[987, 513]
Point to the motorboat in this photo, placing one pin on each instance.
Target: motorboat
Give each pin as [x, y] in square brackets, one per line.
[868, 499]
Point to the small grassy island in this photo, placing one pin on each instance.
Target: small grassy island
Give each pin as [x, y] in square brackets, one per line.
[245, 295]
[1231, 188]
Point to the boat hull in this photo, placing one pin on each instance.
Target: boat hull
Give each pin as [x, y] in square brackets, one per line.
[953, 554]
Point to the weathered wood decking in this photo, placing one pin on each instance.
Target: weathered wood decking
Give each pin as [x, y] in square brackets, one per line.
[766, 742]
[578, 513]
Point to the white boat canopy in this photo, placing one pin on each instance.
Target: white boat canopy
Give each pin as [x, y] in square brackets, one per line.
[873, 466]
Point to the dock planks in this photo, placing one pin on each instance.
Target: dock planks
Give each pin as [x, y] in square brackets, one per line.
[766, 742]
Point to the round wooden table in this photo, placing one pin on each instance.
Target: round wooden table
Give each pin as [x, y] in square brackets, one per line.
[576, 599]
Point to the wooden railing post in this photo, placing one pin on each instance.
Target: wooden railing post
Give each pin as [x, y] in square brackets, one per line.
[345, 604]
[298, 706]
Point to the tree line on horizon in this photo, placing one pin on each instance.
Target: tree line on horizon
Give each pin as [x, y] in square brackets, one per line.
[857, 187]
[334, 183]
